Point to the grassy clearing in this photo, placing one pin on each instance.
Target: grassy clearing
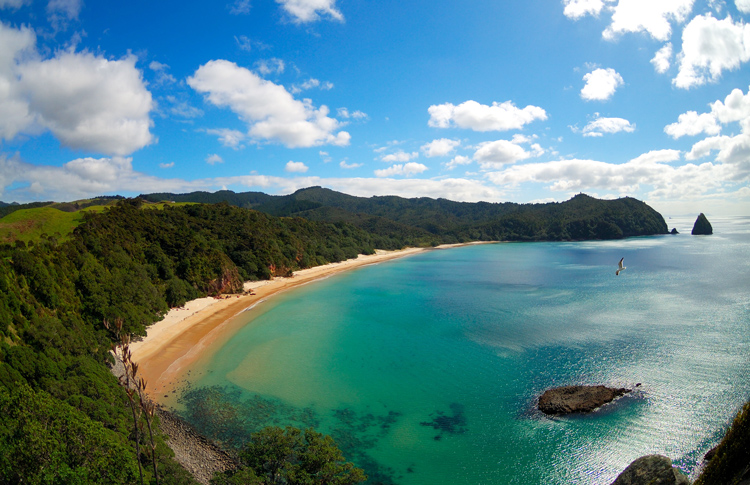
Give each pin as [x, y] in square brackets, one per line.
[57, 220]
[29, 224]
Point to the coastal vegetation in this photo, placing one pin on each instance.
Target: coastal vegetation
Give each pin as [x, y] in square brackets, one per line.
[67, 419]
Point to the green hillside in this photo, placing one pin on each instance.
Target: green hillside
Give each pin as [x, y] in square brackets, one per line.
[432, 221]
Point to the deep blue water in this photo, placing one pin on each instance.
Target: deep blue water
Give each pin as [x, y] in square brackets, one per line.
[426, 369]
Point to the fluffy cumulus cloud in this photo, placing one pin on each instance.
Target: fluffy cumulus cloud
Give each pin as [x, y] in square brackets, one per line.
[650, 170]
[88, 102]
[399, 156]
[457, 161]
[439, 148]
[81, 178]
[295, 167]
[600, 126]
[691, 124]
[15, 114]
[575, 9]
[213, 159]
[229, 138]
[662, 60]
[733, 152]
[601, 84]
[494, 155]
[743, 5]
[303, 11]
[480, 117]
[648, 16]
[405, 169]
[709, 47]
[271, 111]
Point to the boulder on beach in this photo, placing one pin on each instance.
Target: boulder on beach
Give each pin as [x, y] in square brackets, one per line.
[651, 470]
[577, 399]
[702, 226]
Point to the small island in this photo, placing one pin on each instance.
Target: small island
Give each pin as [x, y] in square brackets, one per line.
[577, 399]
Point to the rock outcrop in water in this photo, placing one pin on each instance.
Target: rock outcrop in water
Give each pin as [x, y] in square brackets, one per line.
[702, 226]
[577, 399]
[651, 470]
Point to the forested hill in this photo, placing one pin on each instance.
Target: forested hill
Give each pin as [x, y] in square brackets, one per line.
[445, 221]
[64, 417]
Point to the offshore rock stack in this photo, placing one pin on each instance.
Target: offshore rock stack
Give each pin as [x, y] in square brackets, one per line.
[702, 226]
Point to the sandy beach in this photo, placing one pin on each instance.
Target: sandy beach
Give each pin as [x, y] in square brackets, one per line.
[174, 343]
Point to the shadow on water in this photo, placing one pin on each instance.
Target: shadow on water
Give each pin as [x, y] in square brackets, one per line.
[228, 416]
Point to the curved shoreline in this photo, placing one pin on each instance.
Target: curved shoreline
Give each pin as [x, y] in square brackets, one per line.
[177, 341]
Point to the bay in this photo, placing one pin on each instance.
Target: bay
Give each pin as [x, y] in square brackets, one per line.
[426, 370]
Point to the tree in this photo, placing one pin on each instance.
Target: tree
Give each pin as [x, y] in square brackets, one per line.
[293, 457]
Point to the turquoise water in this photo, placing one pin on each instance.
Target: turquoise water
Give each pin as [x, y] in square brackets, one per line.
[426, 369]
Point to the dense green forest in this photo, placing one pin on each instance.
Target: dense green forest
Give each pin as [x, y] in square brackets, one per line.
[443, 221]
[66, 418]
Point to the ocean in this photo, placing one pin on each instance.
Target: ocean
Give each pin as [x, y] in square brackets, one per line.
[426, 369]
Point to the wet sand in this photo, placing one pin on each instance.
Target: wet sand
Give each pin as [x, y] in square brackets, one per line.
[173, 344]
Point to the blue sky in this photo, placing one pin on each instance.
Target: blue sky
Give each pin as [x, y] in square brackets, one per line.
[482, 100]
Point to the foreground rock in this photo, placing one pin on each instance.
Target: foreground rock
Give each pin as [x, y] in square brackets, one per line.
[651, 470]
[702, 226]
[201, 457]
[577, 399]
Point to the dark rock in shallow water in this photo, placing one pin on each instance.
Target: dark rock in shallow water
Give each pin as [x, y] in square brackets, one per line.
[577, 399]
[651, 470]
[674, 231]
[702, 226]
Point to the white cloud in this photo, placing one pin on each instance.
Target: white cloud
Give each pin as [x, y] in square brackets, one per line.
[439, 148]
[182, 108]
[406, 169]
[457, 161]
[14, 4]
[310, 84]
[743, 5]
[303, 11]
[228, 138]
[601, 84]
[270, 66]
[709, 47]
[162, 76]
[691, 124]
[240, 7]
[599, 126]
[18, 45]
[399, 156]
[575, 9]
[82, 178]
[296, 167]
[495, 154]
[349, 166]
[60, 12]
[166, 165]
[576, 175]
[647, 16]
[214, 159]
[663, 58]
[480, 117]
[357, 115]
[89, 102]
[736, 107]
[269, 109]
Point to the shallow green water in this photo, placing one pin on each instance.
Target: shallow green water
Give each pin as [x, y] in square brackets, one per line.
[426, 369]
